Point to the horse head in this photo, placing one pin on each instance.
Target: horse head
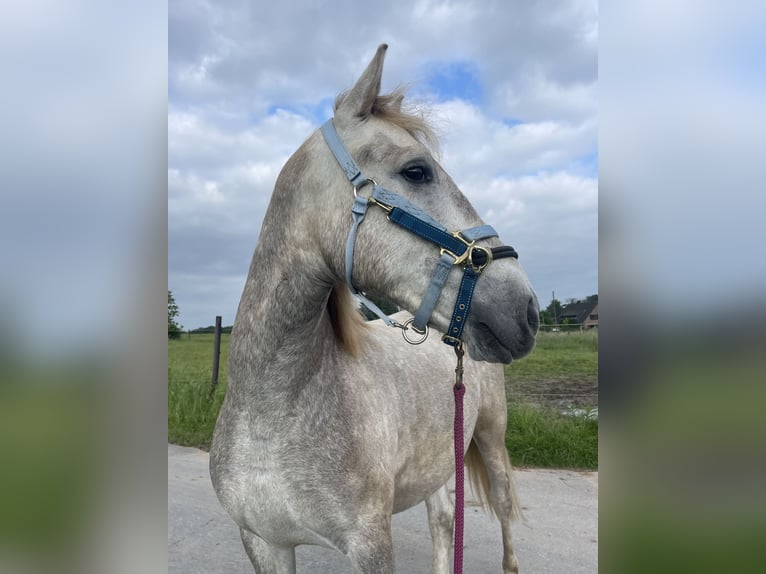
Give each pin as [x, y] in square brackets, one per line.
[393, 150]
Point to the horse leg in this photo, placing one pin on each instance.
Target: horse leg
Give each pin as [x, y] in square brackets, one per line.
[371, 550]
[441, 521]
[489, 437]
[268, 559]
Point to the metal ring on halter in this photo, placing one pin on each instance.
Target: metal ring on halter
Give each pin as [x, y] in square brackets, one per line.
[365, 182]
[405, 328]
[487, 257]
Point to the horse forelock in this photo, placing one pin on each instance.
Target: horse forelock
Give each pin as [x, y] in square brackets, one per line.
[347, 322]
[413, 120]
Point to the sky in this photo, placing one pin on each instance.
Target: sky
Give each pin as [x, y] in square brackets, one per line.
[512, 91]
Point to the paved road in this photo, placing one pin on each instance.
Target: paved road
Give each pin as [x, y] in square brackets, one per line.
[560, 536]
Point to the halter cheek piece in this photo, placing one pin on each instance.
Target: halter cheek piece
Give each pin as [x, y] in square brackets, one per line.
[457, 248]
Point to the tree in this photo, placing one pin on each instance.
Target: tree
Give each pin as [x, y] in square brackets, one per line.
[554, 310]
[174, 329]
[546, 318]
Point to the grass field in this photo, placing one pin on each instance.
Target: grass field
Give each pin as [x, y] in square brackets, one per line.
[191, 412]
[560, 355]
[562, 372]
[559, 376]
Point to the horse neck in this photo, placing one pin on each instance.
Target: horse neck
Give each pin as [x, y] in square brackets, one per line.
[282, 330]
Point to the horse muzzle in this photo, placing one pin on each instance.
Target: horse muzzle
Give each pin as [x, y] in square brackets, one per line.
[499, 337]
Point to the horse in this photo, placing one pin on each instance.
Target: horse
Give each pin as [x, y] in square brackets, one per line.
[331, 424]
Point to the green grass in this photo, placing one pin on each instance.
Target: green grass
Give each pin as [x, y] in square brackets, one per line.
[560, 355]
[537, 436]
[561, 373]
[191, 412]
[542, 437]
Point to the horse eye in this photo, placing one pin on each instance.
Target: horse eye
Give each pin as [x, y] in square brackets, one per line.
[417, 174]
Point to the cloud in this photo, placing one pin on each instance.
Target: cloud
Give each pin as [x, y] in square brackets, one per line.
[475, 143]
[242, 53]
[552, 221]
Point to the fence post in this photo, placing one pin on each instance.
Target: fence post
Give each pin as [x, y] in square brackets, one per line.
[216, 355]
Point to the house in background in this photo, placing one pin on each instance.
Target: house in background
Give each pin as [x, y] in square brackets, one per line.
[584, 313]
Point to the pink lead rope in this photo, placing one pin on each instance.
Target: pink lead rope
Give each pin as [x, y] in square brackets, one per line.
[459, 391]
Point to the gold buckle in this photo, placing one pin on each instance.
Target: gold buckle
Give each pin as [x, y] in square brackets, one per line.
[459, 258]
[387, 208]
[467, 256]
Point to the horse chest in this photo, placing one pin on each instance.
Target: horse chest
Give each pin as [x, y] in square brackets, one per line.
[256, 489]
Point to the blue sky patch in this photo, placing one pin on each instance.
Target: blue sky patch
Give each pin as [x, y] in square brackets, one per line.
[512, 122]
[317, 112]
[453, 80]
[589, 164]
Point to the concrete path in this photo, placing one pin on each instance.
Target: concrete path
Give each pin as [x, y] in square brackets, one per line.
[560, 536]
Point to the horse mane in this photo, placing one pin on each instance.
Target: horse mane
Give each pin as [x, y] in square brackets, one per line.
[347, 322]
[413, 119]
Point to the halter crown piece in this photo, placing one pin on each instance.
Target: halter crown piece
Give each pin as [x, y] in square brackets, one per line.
[457, 248]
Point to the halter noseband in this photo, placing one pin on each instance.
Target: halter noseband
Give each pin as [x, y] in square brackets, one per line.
[457, 248]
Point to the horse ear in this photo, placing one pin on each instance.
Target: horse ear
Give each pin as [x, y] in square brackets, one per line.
[359, 100]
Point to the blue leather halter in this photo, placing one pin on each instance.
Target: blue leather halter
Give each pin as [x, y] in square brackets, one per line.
[457, 248]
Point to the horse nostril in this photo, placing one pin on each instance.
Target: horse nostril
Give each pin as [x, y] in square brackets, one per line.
[533, 314]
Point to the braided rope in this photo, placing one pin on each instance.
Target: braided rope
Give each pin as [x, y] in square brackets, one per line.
[459, 391]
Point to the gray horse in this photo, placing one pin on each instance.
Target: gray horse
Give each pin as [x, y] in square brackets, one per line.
[330, 425]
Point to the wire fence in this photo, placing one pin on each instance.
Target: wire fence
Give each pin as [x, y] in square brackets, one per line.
[569, 328]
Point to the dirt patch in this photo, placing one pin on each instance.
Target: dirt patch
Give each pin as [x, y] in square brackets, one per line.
[557, 393]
